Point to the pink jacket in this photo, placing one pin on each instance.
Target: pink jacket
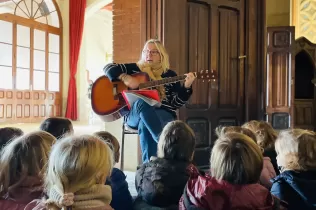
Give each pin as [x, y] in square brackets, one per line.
[19, 197]
[267, 173]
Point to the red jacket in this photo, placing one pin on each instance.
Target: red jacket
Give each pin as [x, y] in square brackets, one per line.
[205, 192]
[18, 197]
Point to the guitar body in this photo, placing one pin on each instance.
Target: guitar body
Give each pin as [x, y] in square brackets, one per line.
[106, 99]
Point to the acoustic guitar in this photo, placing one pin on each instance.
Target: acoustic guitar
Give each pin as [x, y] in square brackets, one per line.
[107, 101]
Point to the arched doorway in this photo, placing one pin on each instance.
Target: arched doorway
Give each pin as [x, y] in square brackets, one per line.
[304, 91]
[30, 60]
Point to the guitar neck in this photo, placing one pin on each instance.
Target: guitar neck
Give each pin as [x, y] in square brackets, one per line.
[156, 83]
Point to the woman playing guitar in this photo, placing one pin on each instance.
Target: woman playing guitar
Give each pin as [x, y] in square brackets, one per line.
[147, 119]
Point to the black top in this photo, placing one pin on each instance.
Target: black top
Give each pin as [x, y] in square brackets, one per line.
[176, 94]
[160, 182]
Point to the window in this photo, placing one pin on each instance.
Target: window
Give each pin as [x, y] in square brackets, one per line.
[30, 47]
[6, 53]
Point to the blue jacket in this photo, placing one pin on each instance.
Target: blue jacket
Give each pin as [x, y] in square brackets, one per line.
[298, 189]
[121, 197]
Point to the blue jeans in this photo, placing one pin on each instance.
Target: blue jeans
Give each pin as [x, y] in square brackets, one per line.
[150, 121]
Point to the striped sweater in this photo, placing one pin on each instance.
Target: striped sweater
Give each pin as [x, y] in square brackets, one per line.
[176, 94]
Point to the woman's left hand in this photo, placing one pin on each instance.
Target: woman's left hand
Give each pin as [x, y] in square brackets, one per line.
[189, 80]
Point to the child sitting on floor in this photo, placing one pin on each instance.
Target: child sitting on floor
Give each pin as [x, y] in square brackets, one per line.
[57, 126]
[9, 133]
[267, 172]
[160, 182]
[296, 158]
[77, 170]
[266, 137]
[121, 197]
[236, 164]
[23, 163]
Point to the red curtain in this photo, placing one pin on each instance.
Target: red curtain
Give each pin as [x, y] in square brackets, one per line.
[77, 10]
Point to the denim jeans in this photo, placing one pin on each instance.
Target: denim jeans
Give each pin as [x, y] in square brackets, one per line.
[149, 121]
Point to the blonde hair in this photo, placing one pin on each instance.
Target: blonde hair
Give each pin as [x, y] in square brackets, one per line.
[77, 163]
[296, 149]
[162, 51]
[112, 141]
[236, 158]
[25, 156]
[176, 142]
[265, 134]
[237, 129]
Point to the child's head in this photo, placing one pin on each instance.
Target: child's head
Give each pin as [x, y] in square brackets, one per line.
[236, 158]
[24, 157]
[237, 129]
[114, 144]
[266, 135]
[57, 126]
[296, 150]
[176, 142]
[77, 163]
[9, 133]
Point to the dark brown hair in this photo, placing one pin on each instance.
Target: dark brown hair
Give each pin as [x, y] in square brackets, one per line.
[9, 133]
[57, 126]
[176, 142]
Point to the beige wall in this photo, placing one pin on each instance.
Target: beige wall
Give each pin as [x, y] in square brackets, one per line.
[278, 12]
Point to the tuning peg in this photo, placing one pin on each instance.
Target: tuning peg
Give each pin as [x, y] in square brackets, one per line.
[203, 80]
[209, 80]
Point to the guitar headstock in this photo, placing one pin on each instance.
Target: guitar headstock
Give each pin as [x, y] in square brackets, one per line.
[206, 75]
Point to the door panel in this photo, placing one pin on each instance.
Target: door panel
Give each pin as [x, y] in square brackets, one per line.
[198, 52]
[280, 77]
[215, 39]
[228, 58]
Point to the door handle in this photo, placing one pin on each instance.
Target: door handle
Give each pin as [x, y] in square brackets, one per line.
[242, 56]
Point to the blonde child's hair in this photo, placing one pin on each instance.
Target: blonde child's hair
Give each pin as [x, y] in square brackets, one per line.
[176, 142]
[112, 141]
[236, 158]
[265, 133]
[162, 51]
[296, 149]
[237, 129]
[26, 156]
[78, 163]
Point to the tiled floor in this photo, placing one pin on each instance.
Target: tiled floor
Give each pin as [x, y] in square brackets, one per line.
[130, 178]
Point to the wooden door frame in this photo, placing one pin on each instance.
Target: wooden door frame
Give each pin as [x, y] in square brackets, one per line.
[304, 44]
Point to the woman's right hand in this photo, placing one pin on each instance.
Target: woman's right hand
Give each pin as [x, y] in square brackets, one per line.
[130, 81]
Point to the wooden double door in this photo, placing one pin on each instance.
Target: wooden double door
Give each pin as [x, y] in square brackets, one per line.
[215, 40]
[209, 34]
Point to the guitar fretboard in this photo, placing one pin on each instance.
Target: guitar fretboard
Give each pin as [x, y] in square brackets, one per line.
[161, 82]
